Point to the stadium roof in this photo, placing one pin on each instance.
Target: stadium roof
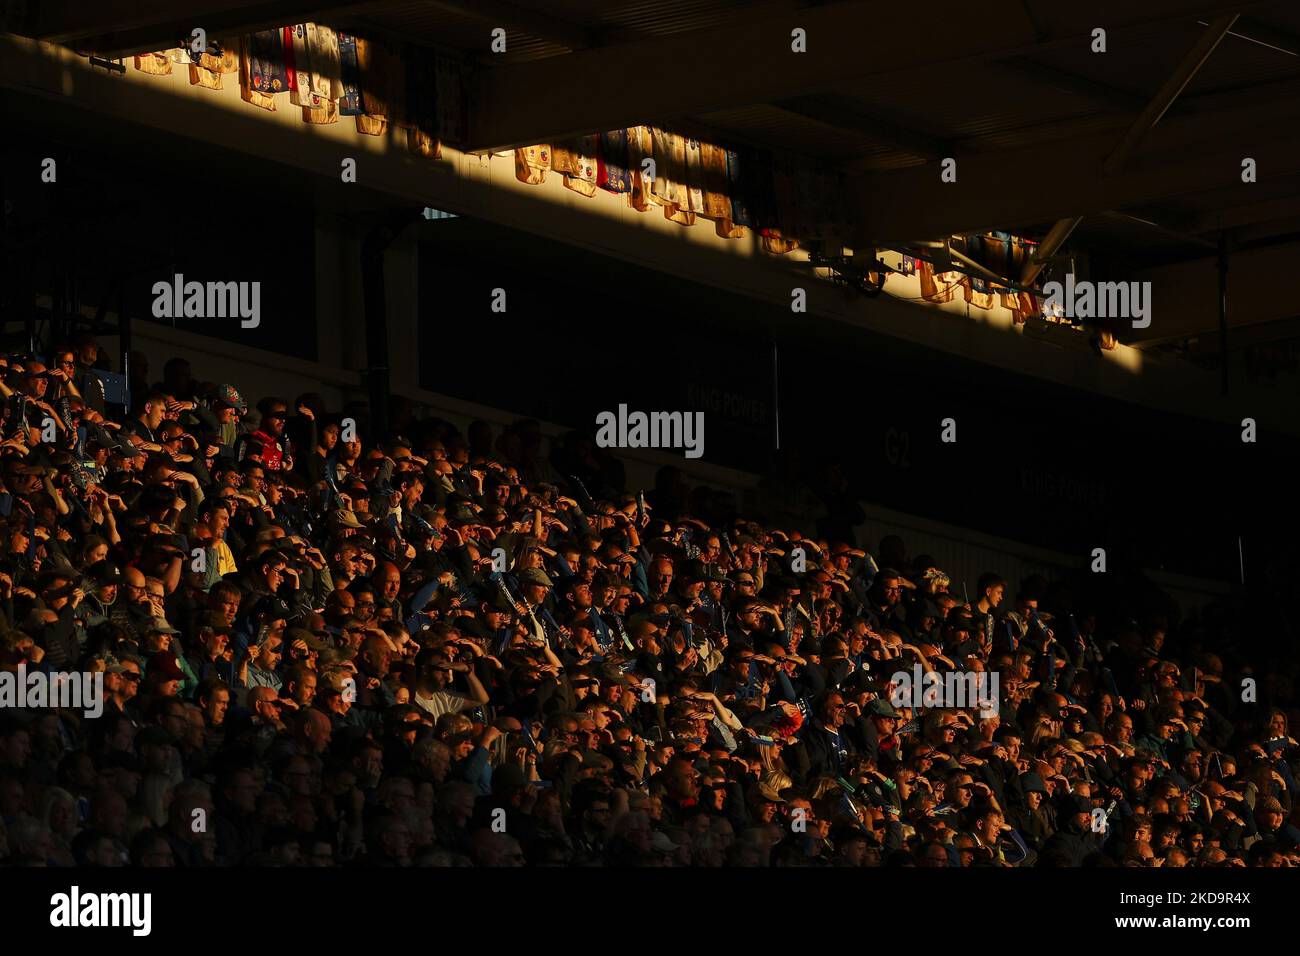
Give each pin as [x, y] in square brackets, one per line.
[1134, 153]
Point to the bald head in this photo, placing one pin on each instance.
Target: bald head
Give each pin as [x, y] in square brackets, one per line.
[388, 579]
[314, 729]
[260, 695]
[376, 653]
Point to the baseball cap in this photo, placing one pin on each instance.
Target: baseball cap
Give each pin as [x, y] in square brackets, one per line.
[164, 662]
[229, 395]
[662, 843]
[1031, 782]
[494, 599]
[930, 609]
[767, 793]
[170, 543]
[346, 519]
[962, 620]
[272, 608]
[307, 637]
[105, 573]
[1077, 804]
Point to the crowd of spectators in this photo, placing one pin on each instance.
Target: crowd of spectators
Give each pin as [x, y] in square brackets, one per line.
[326, 643]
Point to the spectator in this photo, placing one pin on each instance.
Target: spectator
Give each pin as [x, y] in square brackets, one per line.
[376, 651]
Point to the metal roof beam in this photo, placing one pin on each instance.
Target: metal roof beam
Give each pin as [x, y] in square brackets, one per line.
[842, 114]
[1183, 74]
[1003, 189]
[848, 42]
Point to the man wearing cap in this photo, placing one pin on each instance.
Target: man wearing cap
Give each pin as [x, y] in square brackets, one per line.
[61, 635]
[159, 634]
[1074, 841]
[879, 730]
[535, 585]
[163, 675]
[823, 750]
[122, 686]
[268, 444]
[258, 663]
[103, 579]
[1271, 823]
[303, 647]
[764, 802]
[491, 620]
[1168, 738]
[212, 656]
[344, 523]
[265, 718]
[34, 383]
[1030, 813]
[262, 580]
[688, 586]
[219, 415]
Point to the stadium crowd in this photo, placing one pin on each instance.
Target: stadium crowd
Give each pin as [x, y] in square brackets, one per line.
[328, 644]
